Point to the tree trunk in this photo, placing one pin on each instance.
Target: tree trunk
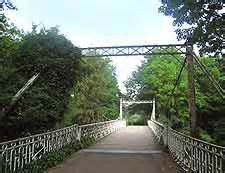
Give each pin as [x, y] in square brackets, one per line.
[191, 93]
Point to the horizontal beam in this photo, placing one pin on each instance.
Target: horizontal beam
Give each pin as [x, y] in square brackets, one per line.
[138, 102]
[173, 49]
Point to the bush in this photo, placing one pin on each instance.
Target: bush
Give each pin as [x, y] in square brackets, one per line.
[136, 119]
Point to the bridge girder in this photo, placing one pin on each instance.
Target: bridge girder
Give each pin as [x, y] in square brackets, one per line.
[137, 102]
[134, 50]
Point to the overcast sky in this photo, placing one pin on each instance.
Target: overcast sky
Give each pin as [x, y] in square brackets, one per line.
[100, 23]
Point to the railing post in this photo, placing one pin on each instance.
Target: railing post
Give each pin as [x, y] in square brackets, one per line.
[167, 129]
[1, 163]
[121, 108]
[153, 109]
[78, 129]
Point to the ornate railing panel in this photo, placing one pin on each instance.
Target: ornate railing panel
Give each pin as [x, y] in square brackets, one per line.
[14, 155]
[192, 154]
[159, 130]
[99, 130]
[17, 153]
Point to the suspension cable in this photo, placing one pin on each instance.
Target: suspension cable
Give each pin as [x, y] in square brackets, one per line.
[177, 81]
[209, 75]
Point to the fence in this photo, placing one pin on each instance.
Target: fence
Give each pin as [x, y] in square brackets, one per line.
[99, 130]
[14, 155]
[190, 153]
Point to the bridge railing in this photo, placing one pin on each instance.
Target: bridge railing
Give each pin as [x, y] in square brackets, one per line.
[15, 154]
[190, 153]
[99, 130]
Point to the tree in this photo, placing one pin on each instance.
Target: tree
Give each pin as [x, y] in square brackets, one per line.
[95, 97]
[42, 106]
[6, 4]
[198, 23]
[156, 78]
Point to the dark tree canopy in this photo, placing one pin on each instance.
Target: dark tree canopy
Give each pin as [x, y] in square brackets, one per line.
[198, 23]
[57, 60]
[68, 90]
[6, 4]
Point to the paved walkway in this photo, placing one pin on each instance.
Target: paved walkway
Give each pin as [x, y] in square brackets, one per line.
[130, 150]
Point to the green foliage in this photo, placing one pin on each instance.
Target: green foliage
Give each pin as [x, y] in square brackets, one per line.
[68, 90]
[156, 78]
[198, 22]
[205, 136]
[136, 119]
[42, 106]
[95, 97]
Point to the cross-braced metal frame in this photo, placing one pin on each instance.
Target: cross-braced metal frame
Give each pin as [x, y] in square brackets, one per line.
[170, 49]
[174, 49]
[137, 102]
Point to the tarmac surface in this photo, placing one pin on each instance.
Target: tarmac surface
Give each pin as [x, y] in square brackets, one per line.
[130, 150]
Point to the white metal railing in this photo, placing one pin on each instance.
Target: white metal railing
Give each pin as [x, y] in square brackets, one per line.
[191, 154]
[99, 130]
[15, 154]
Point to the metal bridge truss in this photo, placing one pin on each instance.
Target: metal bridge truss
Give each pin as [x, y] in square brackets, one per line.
[172, 49]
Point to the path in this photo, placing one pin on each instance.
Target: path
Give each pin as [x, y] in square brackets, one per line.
[130, 150]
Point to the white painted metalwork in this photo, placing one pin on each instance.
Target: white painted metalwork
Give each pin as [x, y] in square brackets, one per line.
[191, 154]
[24, 88]
[17, 153]
[137, 102]
[130, 102]
[121, 108]
[99, 130]
[14, 155]
[153, 109]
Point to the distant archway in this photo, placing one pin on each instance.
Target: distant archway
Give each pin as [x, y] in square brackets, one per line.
[137, 102]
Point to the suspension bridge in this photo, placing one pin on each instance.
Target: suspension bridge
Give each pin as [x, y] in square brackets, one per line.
[155, 148]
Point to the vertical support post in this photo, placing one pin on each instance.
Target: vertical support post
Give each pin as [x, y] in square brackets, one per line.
[1, 164]
[153, 109]
[166, 143]
[121, 108]
[191, 92]
[78, 132]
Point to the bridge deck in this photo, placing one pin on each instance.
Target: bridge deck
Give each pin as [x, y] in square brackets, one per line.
[130, 150]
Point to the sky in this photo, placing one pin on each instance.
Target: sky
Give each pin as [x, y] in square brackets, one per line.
[100, 23]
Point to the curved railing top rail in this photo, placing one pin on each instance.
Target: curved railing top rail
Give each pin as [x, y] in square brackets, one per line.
[197, 140]
[36, 135]
[15, 154]
[191, 154]
[186, 136]
[54, 131]
[99, 123]
[158, 123]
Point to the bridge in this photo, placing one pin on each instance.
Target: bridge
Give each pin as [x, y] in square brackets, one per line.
[172, 49]
[118, 148]
[155, 148]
